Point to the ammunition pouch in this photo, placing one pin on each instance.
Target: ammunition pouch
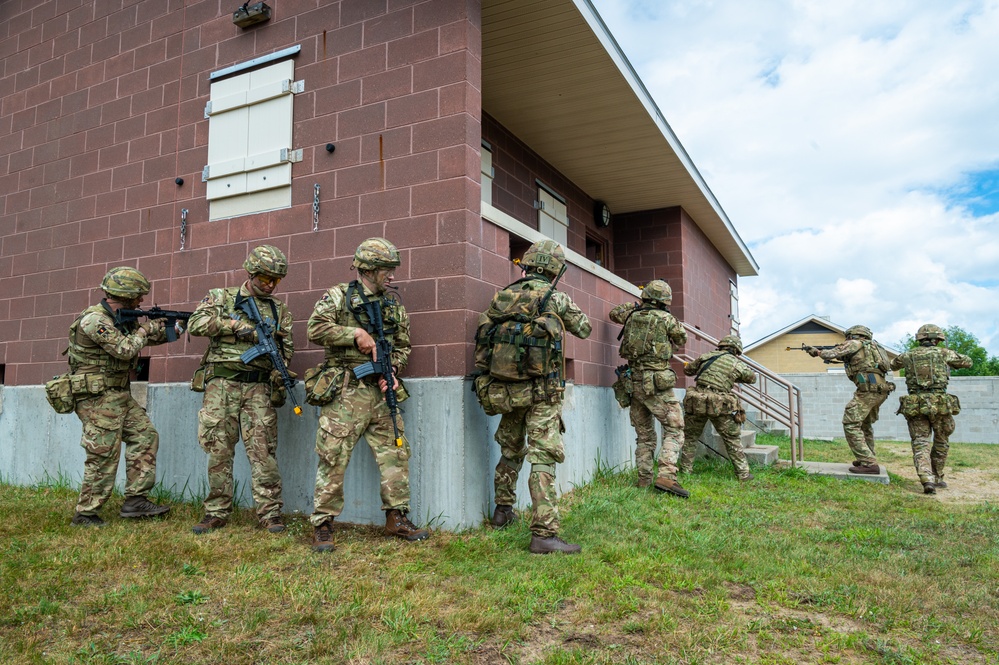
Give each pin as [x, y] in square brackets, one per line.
[872, 382]
[279, 395]
[59, 393]
[704, 402]
[622, 386]
[929, 405]
[322, 384]
[88, 385]
[664, 380]
[499, 397]
[199, 379]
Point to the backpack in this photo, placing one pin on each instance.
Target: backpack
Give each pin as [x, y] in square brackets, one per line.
[645, 334]
[516, 342]
[926, 370]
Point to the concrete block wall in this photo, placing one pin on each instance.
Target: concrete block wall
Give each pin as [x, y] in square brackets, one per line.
[452, 462]
[103, 107]
[823, 397]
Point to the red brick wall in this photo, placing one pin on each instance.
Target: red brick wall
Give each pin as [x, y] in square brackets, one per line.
[102, 107]
[517, 167]
[667, 244]
[706, 277]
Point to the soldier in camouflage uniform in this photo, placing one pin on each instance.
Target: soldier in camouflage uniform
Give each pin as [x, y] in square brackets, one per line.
[711, 398]
[647, 341]
[102, 355]
[241, 399]
[340, 324]
[866, 366]
[527, 320]
[928, 409]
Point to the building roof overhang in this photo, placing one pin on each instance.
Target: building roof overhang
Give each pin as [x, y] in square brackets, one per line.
[553, 75]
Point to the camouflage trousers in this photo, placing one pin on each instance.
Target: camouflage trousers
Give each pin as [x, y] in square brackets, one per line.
[108, 420]
[859, 417]
[930, 445]
[730, 433]
[359, 410]
[541, 425]
[666, 408]
[234, 410]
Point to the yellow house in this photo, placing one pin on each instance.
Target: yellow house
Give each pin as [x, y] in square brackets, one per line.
[780, 352]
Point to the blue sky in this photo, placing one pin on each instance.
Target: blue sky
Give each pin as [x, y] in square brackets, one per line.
[854, 145]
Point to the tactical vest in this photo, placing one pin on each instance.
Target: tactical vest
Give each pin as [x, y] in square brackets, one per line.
[868, 358]
[926, 370]
[517, 342]
[354, 315]
[645, 341]
[228, 348]
[720, 374]
[86, 356]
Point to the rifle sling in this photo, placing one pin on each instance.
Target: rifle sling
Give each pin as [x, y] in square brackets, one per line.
[707, 364]
[640, 308]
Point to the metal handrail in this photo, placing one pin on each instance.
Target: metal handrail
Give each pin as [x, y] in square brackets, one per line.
[773, 396]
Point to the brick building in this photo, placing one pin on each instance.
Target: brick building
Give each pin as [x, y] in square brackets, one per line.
[159, 134]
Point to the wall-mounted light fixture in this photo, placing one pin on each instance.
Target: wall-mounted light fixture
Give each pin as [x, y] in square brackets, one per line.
[248, 14]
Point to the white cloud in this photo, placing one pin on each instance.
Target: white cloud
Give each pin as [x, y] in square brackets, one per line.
[828, 132]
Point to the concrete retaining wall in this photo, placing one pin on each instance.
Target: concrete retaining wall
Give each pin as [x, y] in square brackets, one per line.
[451, 469]
[823, 397]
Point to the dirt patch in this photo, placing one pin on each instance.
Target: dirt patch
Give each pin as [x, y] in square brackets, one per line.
[964, 485]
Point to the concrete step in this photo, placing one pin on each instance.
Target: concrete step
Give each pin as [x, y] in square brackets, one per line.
[767, 425]
[763, 455]
[842, 471]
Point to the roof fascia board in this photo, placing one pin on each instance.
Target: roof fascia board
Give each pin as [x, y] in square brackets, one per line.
[603, 34]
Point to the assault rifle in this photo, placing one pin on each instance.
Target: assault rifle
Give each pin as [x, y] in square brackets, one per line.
[806, 349]
[381, 364]
[541, 309]
[123, 316]
[266, 345]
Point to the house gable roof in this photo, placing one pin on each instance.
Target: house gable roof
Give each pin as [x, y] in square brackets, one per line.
[811, 323]
[553, 74]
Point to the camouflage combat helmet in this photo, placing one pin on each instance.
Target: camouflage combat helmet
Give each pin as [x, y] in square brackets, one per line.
[658, 291]
[930, 331]
[731, 342]
[859, 331]
[125, 282]
[376, 253]
[544, 256]
[266, 260]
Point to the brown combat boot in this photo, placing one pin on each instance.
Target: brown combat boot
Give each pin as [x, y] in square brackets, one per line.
[322, 537]
[552, 544]
[929, 488]
[80, 519]
[940, 484]
[273, 524]
[868, 469]
[140, 506]
[208, 524]
[397, 524]
[503, 516]
[670, 486]
[643, 482]
[746, 478]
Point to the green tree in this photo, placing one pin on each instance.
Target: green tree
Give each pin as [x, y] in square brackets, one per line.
[962, 341]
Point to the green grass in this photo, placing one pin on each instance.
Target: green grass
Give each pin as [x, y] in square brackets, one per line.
[787, 569]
